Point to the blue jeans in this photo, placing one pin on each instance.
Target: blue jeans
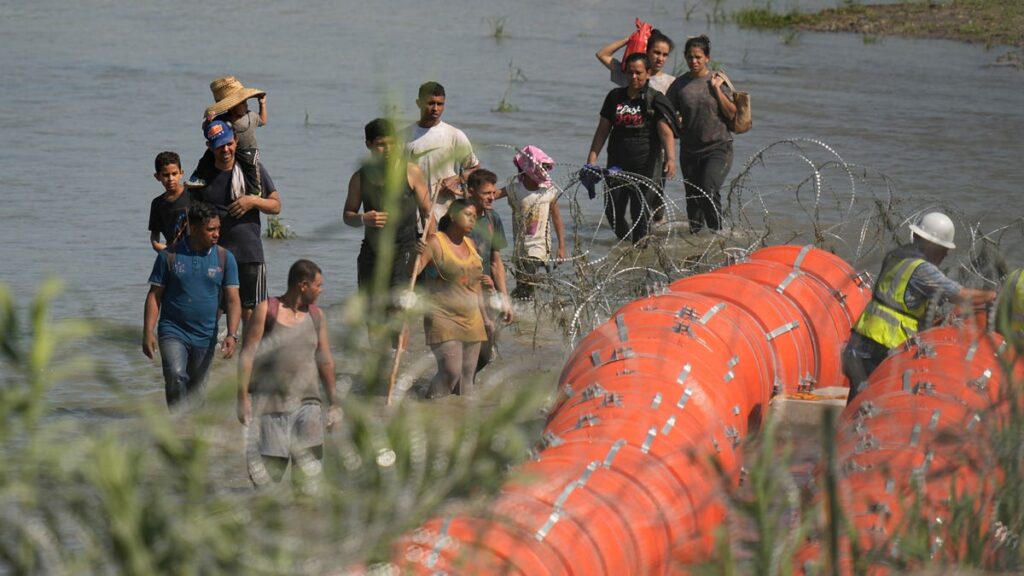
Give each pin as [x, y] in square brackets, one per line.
[186, 368]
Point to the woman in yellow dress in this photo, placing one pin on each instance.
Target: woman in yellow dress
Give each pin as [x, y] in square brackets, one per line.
[455, 324]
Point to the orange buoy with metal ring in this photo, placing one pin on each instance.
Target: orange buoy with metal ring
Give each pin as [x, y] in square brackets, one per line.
[851, 290]
[631, 473]
[779, 321]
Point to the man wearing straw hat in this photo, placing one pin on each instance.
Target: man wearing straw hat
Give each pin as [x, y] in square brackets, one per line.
[231, 106]
[239, 212]
[909, 282]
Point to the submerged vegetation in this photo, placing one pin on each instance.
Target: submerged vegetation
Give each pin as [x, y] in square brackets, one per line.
[991, 22]
[277, 230]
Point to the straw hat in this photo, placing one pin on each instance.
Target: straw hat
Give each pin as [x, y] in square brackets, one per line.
[228, 92]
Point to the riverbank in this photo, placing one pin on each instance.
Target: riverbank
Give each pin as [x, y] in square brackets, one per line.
[990, 22]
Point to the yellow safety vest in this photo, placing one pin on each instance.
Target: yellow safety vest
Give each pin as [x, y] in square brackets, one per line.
[1010, 307]
[887, 319]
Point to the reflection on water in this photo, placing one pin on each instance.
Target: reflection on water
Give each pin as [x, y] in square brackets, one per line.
[85, 110]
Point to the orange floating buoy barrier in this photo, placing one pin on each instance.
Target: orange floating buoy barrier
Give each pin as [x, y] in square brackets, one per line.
[650, 411]
[914, 448]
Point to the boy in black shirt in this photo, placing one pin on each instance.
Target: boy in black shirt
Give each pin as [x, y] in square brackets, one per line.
[167, 211]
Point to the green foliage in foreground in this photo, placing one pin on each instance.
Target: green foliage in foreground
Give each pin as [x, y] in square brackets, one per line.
[160, 494]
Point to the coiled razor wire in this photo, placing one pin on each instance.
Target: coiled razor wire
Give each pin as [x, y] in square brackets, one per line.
[798, 190]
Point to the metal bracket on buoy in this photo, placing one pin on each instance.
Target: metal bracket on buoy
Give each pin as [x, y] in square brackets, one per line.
[622, 353]
[595, 358]
[781, 288]
[981, 382]
[440, 544]
[971, 351]
[612, 399]
[549, 439]
[862, 279]
[924, 387]
[683, 328]
[782, 330]
[656, 401]
[924, 351]
[684, 399]
[613, 452]
[646, 446]
[934, 422]
[915, 435]
[620, 321]
[592, 391]
[806, 249]
[668, 425]
[807, 384]
[684, 374]
[975, 420]
[711, 313]
[686, 312]
[587, 420]
[733, 434]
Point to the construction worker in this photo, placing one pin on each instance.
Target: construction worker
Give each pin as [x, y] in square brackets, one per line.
[909, 280]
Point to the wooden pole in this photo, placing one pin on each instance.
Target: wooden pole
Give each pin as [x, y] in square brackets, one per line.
[403, 335]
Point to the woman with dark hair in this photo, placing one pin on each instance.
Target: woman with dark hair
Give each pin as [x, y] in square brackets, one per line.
[705, 107]
[639, 124]
[455, 324]
[659, 47]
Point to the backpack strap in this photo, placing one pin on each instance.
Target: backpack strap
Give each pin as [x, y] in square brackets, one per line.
[273, 306]
[222, 259]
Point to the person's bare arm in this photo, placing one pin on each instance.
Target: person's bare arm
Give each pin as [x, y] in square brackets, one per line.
[251, 341]
[606, 53]
[262, 100]
[668, 143]
[498, 271]
[154, 241]
[725, 104]
[234, 313]
[418, 183]
[150, 315]
[427, 256]
[556, 222]
[600, 136]
[325, 366]
[269, 205]
[352, 216]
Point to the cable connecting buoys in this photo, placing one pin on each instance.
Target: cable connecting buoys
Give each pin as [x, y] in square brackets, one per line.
[914, 448]
[651, 409]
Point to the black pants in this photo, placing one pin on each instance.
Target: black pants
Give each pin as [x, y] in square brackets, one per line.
[861, 357]
[704, 173]
[640, 195]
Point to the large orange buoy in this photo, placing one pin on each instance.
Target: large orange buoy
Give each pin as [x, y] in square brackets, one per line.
[915, 445]
[651, 409]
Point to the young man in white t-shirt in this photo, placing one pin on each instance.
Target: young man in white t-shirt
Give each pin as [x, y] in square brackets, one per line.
[534, 201]
[441, 150]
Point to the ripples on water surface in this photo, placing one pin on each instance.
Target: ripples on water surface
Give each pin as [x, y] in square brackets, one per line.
[93, 90]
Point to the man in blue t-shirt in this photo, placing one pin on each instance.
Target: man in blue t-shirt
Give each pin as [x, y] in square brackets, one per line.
[185, 290]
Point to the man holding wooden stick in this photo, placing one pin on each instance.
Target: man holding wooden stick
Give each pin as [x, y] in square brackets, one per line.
[384, 199]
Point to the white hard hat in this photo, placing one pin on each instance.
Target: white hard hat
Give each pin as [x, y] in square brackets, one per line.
[936, 228]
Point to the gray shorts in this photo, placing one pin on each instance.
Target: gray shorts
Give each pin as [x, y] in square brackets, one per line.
[284, 434]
